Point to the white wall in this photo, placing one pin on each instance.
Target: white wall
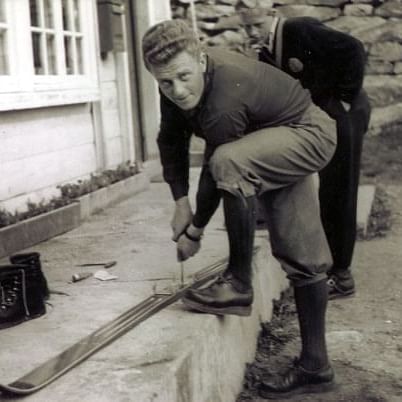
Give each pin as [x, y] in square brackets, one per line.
[41, 148]
[148, 13]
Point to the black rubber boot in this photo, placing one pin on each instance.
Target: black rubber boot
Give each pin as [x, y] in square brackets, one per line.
[13, 308]
[33, 270]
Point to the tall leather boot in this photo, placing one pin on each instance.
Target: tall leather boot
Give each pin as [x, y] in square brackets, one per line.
[231, 293]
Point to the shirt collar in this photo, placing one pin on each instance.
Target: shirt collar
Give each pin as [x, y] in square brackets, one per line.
[271, 35]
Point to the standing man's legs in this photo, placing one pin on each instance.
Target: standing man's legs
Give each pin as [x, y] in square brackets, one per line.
[339, 183]
[298, 242]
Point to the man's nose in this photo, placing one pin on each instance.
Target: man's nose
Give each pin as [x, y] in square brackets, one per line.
[253, 32]
[178, 89]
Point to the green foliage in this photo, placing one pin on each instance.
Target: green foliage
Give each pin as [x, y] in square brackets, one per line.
[70, 192]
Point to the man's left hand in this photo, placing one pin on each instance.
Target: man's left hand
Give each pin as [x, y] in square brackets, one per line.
[187, 248]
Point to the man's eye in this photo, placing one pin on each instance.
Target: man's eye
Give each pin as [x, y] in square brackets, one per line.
[164, 84]
[185, 76]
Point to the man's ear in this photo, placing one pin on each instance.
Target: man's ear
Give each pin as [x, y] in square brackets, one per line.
[203, 61]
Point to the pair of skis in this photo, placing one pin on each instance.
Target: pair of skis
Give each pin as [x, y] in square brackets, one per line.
[80, 351]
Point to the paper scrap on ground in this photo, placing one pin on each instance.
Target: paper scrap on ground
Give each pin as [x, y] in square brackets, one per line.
[103, 275]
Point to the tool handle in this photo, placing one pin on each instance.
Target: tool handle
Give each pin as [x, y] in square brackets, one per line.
[80, 276]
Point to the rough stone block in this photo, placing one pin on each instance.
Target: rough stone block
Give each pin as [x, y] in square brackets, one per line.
[389, 9]
[358, 10]
[321, 13]
[364, 204]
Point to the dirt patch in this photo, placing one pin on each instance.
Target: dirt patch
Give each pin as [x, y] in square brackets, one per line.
[278, 344]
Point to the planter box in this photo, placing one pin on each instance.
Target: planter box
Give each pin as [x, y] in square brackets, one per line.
[31, 231]
[100, 199]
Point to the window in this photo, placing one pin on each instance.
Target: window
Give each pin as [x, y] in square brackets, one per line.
[47, 52]
[4, 29]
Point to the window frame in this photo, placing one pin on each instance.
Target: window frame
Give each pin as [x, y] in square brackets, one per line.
[22, 88]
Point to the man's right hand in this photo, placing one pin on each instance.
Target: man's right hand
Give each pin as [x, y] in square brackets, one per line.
[182, 217]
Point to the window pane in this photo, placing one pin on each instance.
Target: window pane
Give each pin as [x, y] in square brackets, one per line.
[37, 53]
[34, 12]
[2, 12]
[66, 16]
[80, 64]
[76, 11]
[48, 14]
[51, 53]
[3, 53]
[68, 50]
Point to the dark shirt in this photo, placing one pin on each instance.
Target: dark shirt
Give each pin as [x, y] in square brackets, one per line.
[241, 95]
[332, 62]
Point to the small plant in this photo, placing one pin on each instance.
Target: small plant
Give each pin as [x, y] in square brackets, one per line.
[69, 192]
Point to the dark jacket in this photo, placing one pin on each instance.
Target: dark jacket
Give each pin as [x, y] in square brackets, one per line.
[332, 62]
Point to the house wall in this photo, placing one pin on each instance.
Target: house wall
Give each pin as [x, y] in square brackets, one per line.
[44, 147]
[41, 148]
[146, 14]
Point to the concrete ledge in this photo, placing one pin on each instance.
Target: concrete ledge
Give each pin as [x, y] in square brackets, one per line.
[212, 356]
[176, 355]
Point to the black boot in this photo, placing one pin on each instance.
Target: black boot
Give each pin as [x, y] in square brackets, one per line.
[232, 293]
[13, 308]
[298, 380]
[340, 284]
[33, 270]
[225, 295]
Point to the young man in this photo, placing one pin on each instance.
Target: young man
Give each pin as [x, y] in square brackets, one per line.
[264, 137]
[331, 65]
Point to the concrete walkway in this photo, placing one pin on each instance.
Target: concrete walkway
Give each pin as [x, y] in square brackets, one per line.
[176, 355]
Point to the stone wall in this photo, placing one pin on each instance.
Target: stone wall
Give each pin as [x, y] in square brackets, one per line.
[377, 23]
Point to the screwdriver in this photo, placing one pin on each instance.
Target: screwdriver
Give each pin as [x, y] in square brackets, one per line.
[182, 273]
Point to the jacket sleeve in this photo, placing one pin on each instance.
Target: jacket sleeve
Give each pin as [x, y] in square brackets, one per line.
[173, 143]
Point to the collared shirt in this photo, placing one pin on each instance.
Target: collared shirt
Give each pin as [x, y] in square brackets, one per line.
[240, 96]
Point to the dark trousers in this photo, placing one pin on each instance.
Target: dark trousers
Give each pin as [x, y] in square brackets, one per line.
[339, 180]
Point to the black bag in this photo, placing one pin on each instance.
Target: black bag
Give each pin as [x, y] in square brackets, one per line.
[23, 290]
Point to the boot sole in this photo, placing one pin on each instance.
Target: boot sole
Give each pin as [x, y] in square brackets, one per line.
[341, 295]
[305, 389]
[243, 311]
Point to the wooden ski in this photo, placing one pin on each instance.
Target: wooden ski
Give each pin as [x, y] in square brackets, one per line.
[80, 351]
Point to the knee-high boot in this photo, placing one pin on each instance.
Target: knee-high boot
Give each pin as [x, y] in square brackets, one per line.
[240, 225]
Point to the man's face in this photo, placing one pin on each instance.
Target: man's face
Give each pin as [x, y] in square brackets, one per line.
[257, 29]
[182, 79]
